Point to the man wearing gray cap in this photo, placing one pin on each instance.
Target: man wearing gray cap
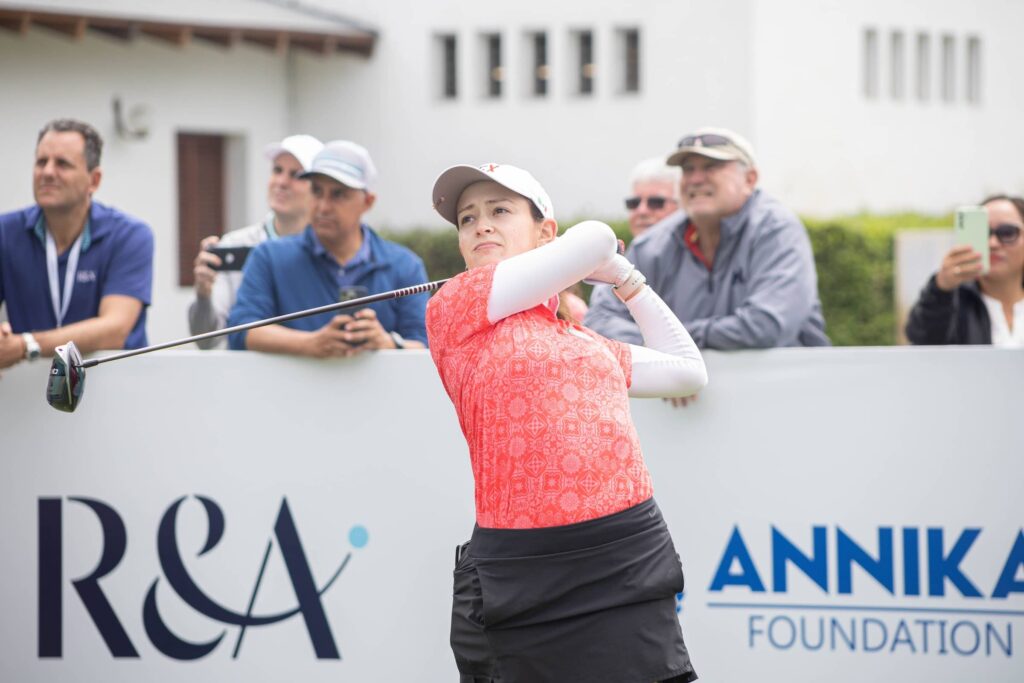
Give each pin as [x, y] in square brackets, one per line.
[290, 201]
[735, 265]
[336, 257]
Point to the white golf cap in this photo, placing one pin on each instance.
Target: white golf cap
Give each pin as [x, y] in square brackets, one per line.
[348, 163]
[302, 147]
[450, 185]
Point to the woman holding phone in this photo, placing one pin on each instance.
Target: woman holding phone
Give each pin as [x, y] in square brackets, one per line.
[570, 573]
[960, 304]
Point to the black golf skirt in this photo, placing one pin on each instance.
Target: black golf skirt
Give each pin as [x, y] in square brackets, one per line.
[592, 602]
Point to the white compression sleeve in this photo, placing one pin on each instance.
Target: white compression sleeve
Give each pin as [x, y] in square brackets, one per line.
[670, 364]
[531, 278]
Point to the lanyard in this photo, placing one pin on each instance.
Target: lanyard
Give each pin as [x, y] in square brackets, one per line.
[60, 306]
[268, 226]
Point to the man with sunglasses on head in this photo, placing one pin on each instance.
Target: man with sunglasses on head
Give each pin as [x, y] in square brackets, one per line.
[655, 194]
[734, 265]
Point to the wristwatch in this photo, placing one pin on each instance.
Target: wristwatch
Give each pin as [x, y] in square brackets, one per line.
[32, 350]
[398, 339]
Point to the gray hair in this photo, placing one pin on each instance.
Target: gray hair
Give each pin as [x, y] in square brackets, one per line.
[93, 141]
[657, 171]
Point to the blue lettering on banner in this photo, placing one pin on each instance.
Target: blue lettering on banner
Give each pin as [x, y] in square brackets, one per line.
[736, 552]
[285, 535]
[875, 635]
[1008, 583]
[814, 566]
[892, 627]
[848, 553]
[942, 567]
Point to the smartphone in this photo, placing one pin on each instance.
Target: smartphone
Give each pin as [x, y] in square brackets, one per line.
[348, 293]
[971, 228]
[233, 258]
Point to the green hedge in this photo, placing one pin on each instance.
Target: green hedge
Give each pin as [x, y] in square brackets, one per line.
[854, 256]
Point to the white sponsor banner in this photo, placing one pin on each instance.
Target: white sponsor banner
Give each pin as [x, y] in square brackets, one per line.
[842, 515]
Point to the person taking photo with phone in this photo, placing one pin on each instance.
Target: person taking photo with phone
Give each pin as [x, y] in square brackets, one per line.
[963, 304]
[290, 200]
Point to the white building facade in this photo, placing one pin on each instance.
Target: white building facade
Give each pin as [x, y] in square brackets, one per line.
[877, 106]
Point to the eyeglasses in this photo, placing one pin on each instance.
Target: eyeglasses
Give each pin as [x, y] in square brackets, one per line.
[654, 203]
[1006, 233]
[706, 140]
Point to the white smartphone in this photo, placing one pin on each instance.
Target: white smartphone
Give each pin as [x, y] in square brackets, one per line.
[971, 228]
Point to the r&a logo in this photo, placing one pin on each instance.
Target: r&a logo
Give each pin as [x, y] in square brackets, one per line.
[97, 605]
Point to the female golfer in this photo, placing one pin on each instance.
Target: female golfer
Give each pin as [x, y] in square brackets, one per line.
[570, 574]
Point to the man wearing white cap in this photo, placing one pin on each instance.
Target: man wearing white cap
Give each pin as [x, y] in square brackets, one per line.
[336, 257]
[735, 265]
[290, 200]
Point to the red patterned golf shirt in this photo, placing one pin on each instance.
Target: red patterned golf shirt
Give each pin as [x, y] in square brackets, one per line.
[543, 406]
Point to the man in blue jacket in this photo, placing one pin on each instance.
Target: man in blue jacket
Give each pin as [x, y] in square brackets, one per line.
[336, 257]
[734, 264]
[72, 268]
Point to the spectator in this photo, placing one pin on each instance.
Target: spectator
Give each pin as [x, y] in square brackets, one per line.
[655, 194]
[291, 202]
[330, 258]
[70, 267]
[735, 266]
[960, 305]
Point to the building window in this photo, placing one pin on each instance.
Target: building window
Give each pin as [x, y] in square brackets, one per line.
[924, 66]
[897, 65]
[202, 205]
[540, 70]
[948, 69]
[584, 62]
[494, 74]
[870, 63]
[973, 70]
[629, 49]
[448, 62]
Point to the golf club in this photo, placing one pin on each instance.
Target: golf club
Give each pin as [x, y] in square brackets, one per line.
[66, 384]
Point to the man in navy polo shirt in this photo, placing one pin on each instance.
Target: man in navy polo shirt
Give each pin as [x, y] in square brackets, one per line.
[336, 255]
[72, 268]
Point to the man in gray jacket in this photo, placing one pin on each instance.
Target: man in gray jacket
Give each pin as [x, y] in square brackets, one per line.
[734, 264]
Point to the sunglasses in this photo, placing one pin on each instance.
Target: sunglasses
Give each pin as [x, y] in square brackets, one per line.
[706, 140]
[1006, 233]
[655, 203]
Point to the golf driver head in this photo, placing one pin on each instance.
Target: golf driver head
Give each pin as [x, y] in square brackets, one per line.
[67, 378]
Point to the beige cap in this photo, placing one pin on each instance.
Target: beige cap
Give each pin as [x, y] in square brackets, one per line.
[714, 143]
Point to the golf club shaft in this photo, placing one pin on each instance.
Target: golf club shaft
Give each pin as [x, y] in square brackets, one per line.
[351, 303]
